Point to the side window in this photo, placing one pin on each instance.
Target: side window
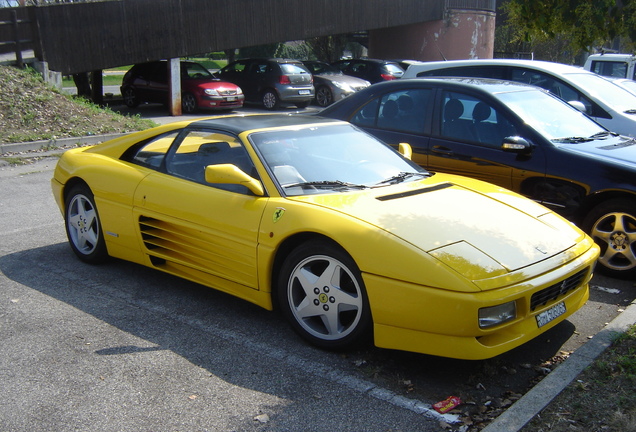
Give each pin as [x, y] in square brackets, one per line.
[469, 119]
[404, 111]
[152, 153]
[368, 115]
[197, 149]
[611, 69]
[551, 84]
[468, 71]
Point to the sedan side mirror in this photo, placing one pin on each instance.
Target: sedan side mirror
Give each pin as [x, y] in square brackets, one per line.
[516, 144]
[578, 105]
[231, 174]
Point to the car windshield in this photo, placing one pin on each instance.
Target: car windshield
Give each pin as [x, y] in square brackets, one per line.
[194, 71]
[550, 116]
[600, 88]
[328, 158]
[323, 69]
[289, 68]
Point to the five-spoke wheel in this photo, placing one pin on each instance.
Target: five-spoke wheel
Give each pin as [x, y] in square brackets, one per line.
[322, 294]
[612, 225]
[83, 227]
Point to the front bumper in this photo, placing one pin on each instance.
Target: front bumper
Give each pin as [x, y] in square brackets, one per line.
[444, 323]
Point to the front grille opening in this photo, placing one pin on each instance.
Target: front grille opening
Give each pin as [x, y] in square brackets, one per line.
[558, 290]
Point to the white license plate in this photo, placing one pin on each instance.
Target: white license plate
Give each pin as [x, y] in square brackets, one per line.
[304, 92]
[230, 98]
[551, 314]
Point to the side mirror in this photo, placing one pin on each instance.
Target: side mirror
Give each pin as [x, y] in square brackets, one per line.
[231, 174]
[578, 105]
[405, 150]
[516, 144]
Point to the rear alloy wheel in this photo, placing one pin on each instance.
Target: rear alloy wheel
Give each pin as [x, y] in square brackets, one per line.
[270, 99]
[322, 295]
[83, 227]
[612, 225]
[130, 98]
[188, 103]
[324, 96]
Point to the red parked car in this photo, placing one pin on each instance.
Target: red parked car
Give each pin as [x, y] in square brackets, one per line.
[148, 82]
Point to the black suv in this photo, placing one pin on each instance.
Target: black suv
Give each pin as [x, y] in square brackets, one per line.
[271, 81]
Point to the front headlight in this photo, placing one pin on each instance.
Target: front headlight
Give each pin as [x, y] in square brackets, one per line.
[495, 315]
[343, 86]
[211, 92]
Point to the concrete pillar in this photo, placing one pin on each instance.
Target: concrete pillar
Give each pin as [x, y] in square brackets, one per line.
[174, 74]
[462, 34]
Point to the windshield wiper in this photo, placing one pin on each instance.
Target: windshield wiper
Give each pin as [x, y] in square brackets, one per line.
[326, 184]
[603, 134]
[630, 111]
[572, 140]
[399, 178]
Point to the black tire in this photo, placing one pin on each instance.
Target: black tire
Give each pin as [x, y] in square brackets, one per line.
[130, 97]
[324, 97]
[328, 316]
[612, 225]
[188, 103]
[270, 99]
[83, 226]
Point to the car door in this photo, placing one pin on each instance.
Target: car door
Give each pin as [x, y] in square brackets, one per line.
[204, 231]
[467, 139]
[237, 73]
[400, 116]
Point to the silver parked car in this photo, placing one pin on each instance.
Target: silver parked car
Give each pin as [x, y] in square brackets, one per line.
[610, 105]
[331, 84]
[271, 81]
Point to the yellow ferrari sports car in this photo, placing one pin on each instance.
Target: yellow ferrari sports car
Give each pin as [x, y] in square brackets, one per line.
[345, 235]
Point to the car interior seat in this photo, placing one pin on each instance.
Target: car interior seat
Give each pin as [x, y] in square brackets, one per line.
[454, 126]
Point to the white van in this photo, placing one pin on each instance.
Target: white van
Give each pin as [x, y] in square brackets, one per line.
[608, 104]
[612, 65]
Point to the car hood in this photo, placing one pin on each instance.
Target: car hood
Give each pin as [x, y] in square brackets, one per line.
[347, 79]
[619, 149]
[455, 223]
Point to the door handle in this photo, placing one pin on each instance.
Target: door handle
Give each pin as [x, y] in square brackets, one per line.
[442, 151]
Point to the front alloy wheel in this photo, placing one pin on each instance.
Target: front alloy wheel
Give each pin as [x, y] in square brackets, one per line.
[322, 295]
[324, 96]
[83, 227]
[612, 225]
[130, 98]
[188, 103]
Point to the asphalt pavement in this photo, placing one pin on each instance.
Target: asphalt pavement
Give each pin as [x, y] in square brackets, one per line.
[515, 417]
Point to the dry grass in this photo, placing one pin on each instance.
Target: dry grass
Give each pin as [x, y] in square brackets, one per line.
[603, 398]
[30, 110]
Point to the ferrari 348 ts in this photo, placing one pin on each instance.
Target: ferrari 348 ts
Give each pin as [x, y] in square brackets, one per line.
[342, 233]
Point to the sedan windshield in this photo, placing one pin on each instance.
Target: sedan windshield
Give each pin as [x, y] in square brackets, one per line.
[322, 159]
[551, 117]
[600, 88]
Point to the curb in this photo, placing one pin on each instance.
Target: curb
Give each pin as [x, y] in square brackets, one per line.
[540, 396]
[53, 144]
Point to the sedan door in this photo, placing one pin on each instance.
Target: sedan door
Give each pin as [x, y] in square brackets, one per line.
[467, 140]
[204, 231]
